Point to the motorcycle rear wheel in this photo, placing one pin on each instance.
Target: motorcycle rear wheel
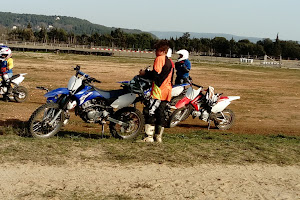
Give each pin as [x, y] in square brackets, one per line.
[39, 123]
[134, 120]
[20, 94]
[224, 123]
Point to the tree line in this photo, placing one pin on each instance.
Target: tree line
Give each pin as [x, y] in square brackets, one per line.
[117, 38]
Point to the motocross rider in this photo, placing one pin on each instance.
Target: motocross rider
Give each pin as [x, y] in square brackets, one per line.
[6, 63]
[183, 67]
[161, 76]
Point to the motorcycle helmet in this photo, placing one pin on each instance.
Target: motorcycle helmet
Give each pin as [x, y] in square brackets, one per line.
[169, 54]
[184, 54]
[5, 52]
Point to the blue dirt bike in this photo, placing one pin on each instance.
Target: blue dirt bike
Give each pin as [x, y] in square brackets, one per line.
[93, 105]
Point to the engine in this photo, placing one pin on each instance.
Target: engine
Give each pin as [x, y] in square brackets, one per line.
[92, 111]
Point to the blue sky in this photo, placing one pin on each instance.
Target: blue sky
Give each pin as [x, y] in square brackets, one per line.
[252, 18]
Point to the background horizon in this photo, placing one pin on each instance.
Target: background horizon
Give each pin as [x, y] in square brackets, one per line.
[248, 19]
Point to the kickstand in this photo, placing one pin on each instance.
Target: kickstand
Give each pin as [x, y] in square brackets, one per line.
[208, 124]
[102, 130]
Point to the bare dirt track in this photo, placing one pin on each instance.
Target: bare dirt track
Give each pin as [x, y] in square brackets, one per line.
[269, 104]
[150, 182]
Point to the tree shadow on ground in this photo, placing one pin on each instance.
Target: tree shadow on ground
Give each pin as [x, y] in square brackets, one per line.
[73, 134]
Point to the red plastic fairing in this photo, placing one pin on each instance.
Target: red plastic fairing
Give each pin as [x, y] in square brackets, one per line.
[182, 102]
[224, 97]
[194, 102]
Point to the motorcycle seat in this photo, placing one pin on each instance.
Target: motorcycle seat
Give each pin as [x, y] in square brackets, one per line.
[15, 76]
[111, 94]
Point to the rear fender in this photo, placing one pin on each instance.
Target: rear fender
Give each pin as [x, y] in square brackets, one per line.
[124, 100]
[18, 80]
[220, 106]
[223, 102]
[177, 91]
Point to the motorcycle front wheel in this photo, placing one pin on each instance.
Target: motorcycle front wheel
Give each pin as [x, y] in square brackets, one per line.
[42, 124]
[224, 120]
[179, 115]
[133, 123]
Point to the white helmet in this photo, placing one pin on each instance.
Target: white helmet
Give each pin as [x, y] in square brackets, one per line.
[184, 53]
[169, 54]
[5, 51]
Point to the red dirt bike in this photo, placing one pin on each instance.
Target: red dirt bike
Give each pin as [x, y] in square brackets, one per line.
[207, 107]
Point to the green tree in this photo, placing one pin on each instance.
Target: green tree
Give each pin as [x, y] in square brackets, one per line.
[42, 35]
[184, 41]
[245, 47]
[206, 45]
[277, 47]
[221, 45]
[233, 48]
[28, 34]
[267, 44]
[290, 49]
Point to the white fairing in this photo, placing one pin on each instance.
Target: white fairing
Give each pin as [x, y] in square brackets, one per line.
[71, 105]
[223, 103]
[74, 83]
[124, 100]
[192, 93]
[19, 79]
[177, 91]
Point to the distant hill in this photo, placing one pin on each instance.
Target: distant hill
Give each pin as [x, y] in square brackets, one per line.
[168, 35]
[70, 24]
[81, 26]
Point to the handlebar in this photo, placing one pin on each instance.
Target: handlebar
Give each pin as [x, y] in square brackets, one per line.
[88, 78]
[199, 86]
[42, 88]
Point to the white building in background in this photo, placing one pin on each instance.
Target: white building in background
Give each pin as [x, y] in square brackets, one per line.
[246, 60]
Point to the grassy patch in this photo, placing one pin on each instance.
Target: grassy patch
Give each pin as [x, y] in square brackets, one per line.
[188, 149]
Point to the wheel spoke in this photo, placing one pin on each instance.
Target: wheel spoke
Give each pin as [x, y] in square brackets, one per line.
[39, 123]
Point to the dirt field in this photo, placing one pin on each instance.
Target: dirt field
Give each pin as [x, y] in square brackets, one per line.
[269, 104]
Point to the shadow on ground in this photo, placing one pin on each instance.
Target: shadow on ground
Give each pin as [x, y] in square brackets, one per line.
[21, 128]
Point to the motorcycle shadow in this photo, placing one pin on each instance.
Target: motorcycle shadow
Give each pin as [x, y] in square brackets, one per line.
[20, 128]
[15, 123]
[204, 126]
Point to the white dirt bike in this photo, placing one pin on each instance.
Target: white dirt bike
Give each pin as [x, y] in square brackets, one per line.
[19, 93]
[207, 107]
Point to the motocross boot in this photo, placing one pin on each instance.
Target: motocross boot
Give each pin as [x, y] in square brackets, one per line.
[8, 92]
[158, 133]
[149, 130]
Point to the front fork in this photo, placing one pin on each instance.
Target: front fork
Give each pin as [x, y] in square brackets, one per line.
[63, 103]
[55, 117]
[213, 116]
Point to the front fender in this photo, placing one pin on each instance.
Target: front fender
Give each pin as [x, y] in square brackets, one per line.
[56, 92]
